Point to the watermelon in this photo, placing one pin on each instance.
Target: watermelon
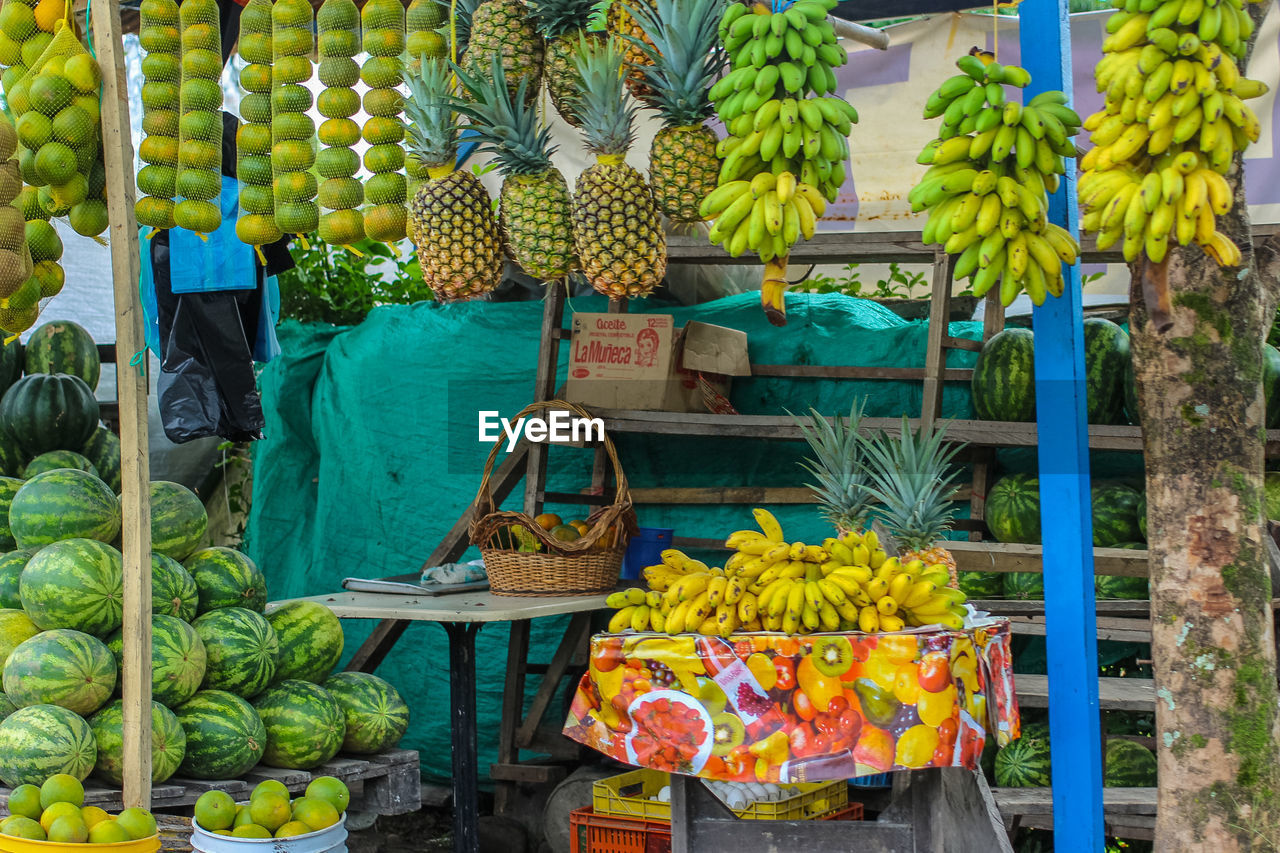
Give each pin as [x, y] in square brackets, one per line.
[6, 706]
[1271, 488]
[49, 412]
[9, 487]
[225, 736]
[10, 364]
[13, 459]
[304, 723]
[1271, 384]
[1004, 378]
[16, 628]
[56, 459]
[1142, 516]
[178, 659]
[241, 649]
[376, 714]
[11, 566]
[103, 450]
[178, 520]
[168, 743]
[1012, 510]
[76, 584]
[1024, 585]
[1106, 352]
[1128, 765]
[1024, 763]
[1131, 394]
[63, 347]
[310, 640]
[64, 504]
[227, 578]
[1115, 514]
[981, 584]
[1116, 587]
[40, 741]
[173, 590]
[61, 667]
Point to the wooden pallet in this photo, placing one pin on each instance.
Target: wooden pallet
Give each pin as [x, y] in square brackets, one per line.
[1128, 812]
[391, 783]
[1114, 694]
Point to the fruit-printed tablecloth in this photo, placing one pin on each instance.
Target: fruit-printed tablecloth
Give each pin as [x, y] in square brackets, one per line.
[777, 708]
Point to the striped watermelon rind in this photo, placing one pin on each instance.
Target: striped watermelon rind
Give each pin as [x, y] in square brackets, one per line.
[13, 459]
[1003, 383]
[6, 706]
[178, 520]
[305, 725]
[178, 659]
[78, 584]
[16, 628]
[61, 667]
[1128, 765]
[11, 566]
[1142, 517]
[103, 450]
[1012, 510]
[1024, 585]
[980, 585]
[173, 590]
[1131, 393]
[1115, 514]
[168, 742]
[40, 741]
[9, 487]
[1024, 763]
[227, 578]
[377, 716]
[64, 504]
[61, 346]
[55, 459]
[310, 639]
[240, 648]
[1106, 351]
[225, 735]
[1271, 385]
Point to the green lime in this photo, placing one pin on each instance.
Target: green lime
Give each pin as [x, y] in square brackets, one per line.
[387, 188]
[107, 832]
[71, 193]
[24, 801]
[340, 194]
[27, 167]
[50, 277]
[49, 94]
[28, 202]
[254, 170]
[73, 126]
[338, 71]
[89, 217]
[337, 163]
[290, 98]
[17, 21]
[34, 130]
[137, 822]
[160, 122]
[90, 105]
[18, 93]
[62, 788]
[201, 95]
[259, 200]
[256, 108]
[82, 70]
[43, 241]
[199, 184]
[338, 103]
[55, 163]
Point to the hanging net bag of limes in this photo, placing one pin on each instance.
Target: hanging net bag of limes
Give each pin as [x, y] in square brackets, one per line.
[341, 194]
[15, 260]
[292, 130]
[161, 77]
[200, 125]
[26, 29]
[386, 190]
[422, 22]
[257, 223]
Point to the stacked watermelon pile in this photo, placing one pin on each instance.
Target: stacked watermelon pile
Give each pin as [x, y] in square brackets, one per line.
[231, 684]
[1024, 763]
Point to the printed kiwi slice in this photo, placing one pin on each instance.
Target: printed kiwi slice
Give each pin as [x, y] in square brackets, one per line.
[832, 655]
[728, 733]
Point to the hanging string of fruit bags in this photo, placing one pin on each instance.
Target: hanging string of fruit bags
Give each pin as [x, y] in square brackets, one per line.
[341, 194]
[257, 224]
[292, 130]
[383, 72]
[199, 180]
[161, 76]
[15, 259]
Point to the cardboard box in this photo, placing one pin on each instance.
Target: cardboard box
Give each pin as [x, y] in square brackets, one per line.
[639, 361]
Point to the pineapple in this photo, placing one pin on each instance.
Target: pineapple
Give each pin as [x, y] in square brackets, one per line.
[838, 463]
[450, 214]
[913, 477]
[562, 23]
[619, 22]
[616, 226]
[534, 205]
[505, 29]
[682, 44]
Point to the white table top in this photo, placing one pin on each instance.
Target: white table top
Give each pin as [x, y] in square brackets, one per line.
[464, 607]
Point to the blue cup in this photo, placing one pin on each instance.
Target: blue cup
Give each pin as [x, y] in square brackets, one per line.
[644, 550]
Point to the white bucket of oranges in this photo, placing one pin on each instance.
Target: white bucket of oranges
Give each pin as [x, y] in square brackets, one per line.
[270, 821]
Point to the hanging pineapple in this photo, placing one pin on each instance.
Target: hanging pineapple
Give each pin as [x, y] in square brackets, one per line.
[620, 22]
[681, 43]
[450, 215]
[504, 28]
[616, 226]
[534, 205]
[562, 23]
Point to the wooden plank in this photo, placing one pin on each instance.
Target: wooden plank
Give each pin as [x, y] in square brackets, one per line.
[1114, 694]
[544, 387]
[527, 774]
[984, 461]
[288, 778]
[824, 371]
[1010, 557]
[117, 153]
[935, 358]
[1133, 609]
[512, 704]
[992, 316]
[575, 636]
[1116, 630]
[1116, 801]
[961, 343]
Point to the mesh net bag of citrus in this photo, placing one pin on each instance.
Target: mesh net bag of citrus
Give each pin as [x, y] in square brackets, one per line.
[161, 77]
[292, 130]
[341, 194]
[15, 259]
[386, 190]
[26, 29]
[199, 181]
[257, 223]
[422, 22]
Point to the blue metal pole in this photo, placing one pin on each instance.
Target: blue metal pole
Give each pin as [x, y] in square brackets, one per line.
[1066, 528]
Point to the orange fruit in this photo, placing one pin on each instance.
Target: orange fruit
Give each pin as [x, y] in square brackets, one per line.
[292, 828]
[342, 227]
[382, 42]
[384, 158]
[53, 811]
[331, 789]
[107, 832]
[69, 829]
[565, 533]
[385, 223]
[383, 102]
[137, 822]
[256, 78]
[578, 525]
[215, 810]
[270, 810]
[316, 813]
[48, 13]
[24, 801]
[80, 69]
[548, 520]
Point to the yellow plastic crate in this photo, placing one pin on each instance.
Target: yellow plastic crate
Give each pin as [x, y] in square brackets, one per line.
[633, 794]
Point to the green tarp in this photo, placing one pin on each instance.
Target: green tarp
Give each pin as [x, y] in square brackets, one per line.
[371, 452]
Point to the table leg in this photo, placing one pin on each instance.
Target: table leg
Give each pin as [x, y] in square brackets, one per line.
[466, 771]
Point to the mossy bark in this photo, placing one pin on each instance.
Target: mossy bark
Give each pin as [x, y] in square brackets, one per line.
[1199, 369]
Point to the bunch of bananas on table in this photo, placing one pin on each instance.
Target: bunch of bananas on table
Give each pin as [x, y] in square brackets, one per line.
[1173, 122]
[784, 157]
[845, 584]
[992, 168]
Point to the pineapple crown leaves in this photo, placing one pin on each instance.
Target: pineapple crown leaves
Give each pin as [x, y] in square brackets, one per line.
[685, 55]
[461, 12]
[838, 465]
[506, 125]
[601, 104]
[555, 18]
[913, 477]
[432, 128]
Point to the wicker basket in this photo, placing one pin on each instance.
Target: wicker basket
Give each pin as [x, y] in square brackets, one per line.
[581, 567]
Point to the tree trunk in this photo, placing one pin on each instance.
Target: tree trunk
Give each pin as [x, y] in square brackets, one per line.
[1198, 369]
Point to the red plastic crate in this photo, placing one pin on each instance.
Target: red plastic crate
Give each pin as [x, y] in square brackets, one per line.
[593, 833]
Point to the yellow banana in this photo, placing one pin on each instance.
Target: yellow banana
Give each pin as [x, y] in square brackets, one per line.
[795, 600]
[640, 618]
[747, 607]
[715, 591]
[768, 523]
[621, 620]
[868, 620]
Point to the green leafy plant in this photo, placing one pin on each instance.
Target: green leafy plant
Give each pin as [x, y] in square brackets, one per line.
[900, 284]
[334, 285]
